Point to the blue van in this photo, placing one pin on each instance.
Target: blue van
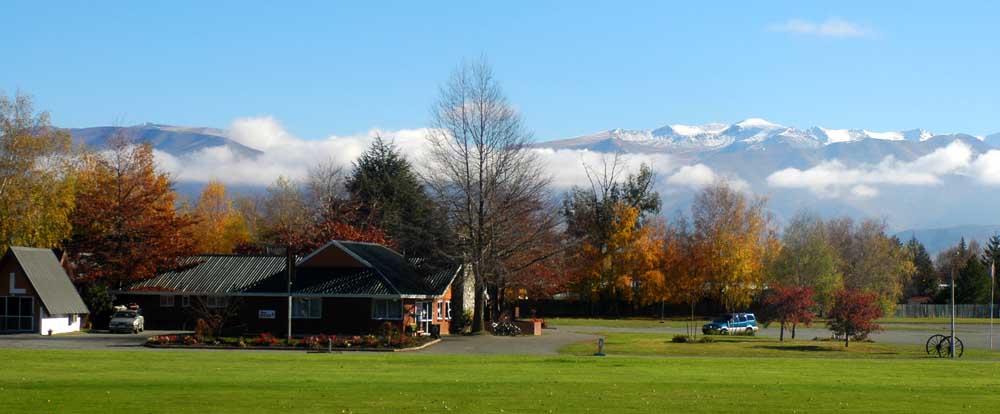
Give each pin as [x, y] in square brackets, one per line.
[732, 324]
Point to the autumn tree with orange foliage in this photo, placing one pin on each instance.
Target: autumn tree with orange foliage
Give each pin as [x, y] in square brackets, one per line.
[125, 226]
[615, 253]
[221, 228]
[684, 281]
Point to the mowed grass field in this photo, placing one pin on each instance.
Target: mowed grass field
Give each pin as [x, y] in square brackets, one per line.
[250, 382]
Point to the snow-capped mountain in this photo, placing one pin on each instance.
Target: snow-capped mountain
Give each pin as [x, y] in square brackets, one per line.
[748, 134]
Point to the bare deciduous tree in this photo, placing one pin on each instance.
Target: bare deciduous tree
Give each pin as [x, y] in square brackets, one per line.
[486, 177]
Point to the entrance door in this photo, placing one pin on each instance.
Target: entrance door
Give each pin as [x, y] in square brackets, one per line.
[17, 313]
[424, 316]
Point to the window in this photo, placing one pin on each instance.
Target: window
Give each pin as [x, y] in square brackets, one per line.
[387, 309]
[17, 313]
[307, 308]
[447, 309]
[215, 301]
[166, 301]
[185, 301]
[440, 310]
[72, 319]
[14, 290]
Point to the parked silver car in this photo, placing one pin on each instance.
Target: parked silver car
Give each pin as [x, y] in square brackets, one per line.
[127, 321]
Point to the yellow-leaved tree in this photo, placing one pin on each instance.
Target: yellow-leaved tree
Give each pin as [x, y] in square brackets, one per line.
[734, 239]
[221, 228]
[37, 177]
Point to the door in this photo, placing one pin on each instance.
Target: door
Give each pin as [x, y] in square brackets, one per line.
[424, 316]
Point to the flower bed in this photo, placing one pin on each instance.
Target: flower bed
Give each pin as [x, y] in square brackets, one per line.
[315, 342]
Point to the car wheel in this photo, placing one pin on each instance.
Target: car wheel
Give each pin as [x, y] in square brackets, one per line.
[724, 332]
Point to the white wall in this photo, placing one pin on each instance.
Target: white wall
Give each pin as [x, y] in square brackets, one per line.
[59, 324]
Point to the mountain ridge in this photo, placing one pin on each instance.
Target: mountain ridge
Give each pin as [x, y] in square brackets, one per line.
[750, 134]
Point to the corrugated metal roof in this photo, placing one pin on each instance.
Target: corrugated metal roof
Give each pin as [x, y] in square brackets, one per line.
[397, 271]
[390, 274]
[49, 281]
[361, 281]
[215, 274]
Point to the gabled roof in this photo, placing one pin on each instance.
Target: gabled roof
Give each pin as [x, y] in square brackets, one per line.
[363, 270]
[49, 280]
[215, 274]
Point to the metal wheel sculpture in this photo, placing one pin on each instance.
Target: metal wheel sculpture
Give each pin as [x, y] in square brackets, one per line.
[932, 343]
[943, 347]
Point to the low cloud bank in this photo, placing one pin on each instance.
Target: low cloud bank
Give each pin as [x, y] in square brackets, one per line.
[833, 178]
[290, 156]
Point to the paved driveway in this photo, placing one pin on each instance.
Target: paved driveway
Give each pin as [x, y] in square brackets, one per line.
[78, 341]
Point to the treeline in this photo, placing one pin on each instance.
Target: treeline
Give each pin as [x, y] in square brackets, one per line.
[481, 197]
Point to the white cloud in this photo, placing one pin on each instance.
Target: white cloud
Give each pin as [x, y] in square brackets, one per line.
[290, 156]
[283, 154]
[700, 175]
[986, 168]
[864, 191]
[833, 27]
[833, 178]
[567, 166]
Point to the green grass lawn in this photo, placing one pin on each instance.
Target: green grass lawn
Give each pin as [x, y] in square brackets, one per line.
[646, 344]
[245, 382]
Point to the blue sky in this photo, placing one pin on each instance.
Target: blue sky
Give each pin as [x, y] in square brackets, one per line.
[571, 67]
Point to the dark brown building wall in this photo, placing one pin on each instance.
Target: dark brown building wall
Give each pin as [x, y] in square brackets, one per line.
[8, 265]
[339, 315]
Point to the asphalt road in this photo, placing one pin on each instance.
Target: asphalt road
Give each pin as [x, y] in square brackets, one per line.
[79, 340]
[548, 343]
[973, 336]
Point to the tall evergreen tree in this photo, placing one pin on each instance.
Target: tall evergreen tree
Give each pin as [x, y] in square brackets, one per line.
[991, 253]
[925, 279]
[972, 284]
[390, 195]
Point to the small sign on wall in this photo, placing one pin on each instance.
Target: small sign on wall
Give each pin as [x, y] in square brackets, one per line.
[266, 314]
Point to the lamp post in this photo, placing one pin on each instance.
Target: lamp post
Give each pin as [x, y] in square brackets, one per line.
[951, 341]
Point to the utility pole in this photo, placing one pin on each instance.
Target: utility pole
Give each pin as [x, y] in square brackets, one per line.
[993, 278]
[289, 270]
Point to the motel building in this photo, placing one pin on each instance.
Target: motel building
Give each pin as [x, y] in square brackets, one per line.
[36, 294]
[343, 287]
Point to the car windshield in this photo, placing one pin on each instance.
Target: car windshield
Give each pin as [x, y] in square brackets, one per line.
[124, 315]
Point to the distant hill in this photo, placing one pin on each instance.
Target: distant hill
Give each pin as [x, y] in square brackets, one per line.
[177, 141]
[936, 240]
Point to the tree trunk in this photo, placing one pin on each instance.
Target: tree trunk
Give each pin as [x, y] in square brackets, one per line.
[793, 330]
[781, 336]
[478, 319]
[847, 339]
